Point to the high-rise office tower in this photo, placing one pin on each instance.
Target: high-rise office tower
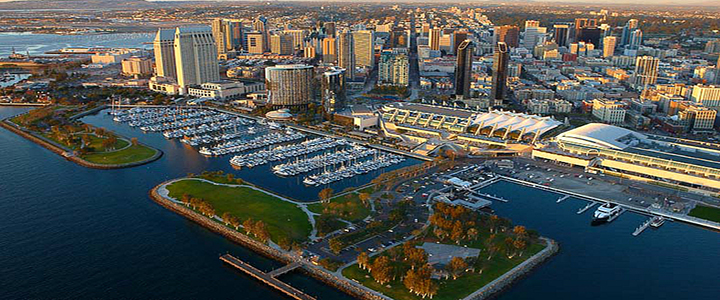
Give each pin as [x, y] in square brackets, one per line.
[646, 71]
[364, 44]
[196, 56]
[281, 44]
[458, 38]
[629, 27]
[289, 85]
[463, 69]
[329, 28]
[499, 72]
[636, 38]
[609, 46]
[260, 25]
[508, 34]
[218, 32]
[164, 49]
[561, 34]
[346, 57]
[255, 42]
[533, 34]
[434, 39]
[591, 35]
[333, 90]
[329, 50]
[581, 23]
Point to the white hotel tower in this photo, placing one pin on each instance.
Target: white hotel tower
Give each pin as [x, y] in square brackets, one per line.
[195, 56]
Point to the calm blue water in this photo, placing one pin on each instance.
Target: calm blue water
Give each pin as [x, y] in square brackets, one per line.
[69, 232]
[676, 261]
[38, 44]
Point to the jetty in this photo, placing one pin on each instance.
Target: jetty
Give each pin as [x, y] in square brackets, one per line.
[563, 198]
[270, 277]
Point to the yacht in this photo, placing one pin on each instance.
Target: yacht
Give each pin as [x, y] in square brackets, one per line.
[657, 221]
[606, 213]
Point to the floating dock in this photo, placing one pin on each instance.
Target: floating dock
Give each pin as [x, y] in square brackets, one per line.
[269, 278]
[563, 198]
[642, 227]
[582, 210]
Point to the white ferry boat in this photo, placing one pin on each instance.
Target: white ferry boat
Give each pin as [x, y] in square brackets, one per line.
[657, 221]
[606, 213]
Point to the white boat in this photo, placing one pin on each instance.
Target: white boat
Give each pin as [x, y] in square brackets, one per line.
[657, 221]
[606, 213]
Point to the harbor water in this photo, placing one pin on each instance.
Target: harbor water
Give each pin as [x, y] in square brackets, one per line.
[71, 232]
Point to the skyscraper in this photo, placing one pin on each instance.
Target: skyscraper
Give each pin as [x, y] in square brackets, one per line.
[629, 27]
[533, 34]
[255, 43]
[289, 85]
[281, 44]
[329, 50]
[195, 56]
[590, 35]
[394, 68]
[499, 73]
[561, 34]
[298, 36]
[508, 34]
[463, 69]
[364, 45]
[260, 25]
[434, 39]
[635, 40]
[609, 46]
[164, 49]
[218, 32]
[346, 57]
[646, 71]
[458, 38]
[333, 90]
[581, 23]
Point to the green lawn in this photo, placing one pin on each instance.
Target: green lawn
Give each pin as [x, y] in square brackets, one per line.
[131, 154]
[447, 289]
[283, 219]
[706, 212]
[353, 209]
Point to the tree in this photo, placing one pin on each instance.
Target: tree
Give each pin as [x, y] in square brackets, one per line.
[520, 231]
[490, 246]
[363, 260]
[100, 132]
[335, 245]
[325, 194]
[382, 270]
[248, 225]
[520, 245]
[365, 198]
[134, 141]
[233, 221]
[494, 221]
[456, 266]
[416, 257]
[226, 218]
[472, 233]
[261, 231]
[456, 234]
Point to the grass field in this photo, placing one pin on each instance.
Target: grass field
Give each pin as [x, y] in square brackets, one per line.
[353, 209]
[131, 154]
[706, 212]
[283, 219]
[447, 289]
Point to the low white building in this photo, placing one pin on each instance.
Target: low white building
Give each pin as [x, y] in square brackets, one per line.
[224, 90]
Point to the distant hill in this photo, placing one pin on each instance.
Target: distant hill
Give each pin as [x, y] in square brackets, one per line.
[79, 4]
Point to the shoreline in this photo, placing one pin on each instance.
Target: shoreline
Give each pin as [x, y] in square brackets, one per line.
[67, 154]
[316, 272]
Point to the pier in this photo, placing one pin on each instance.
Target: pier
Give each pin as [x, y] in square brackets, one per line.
[496, 198]
[642, 227]
[563, 198]
[582, 210]
[269, 278]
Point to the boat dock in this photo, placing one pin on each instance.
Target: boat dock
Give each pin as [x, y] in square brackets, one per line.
[496, 198]
[563, 198]
[270, 277]
[584, 209]
[642, 227]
